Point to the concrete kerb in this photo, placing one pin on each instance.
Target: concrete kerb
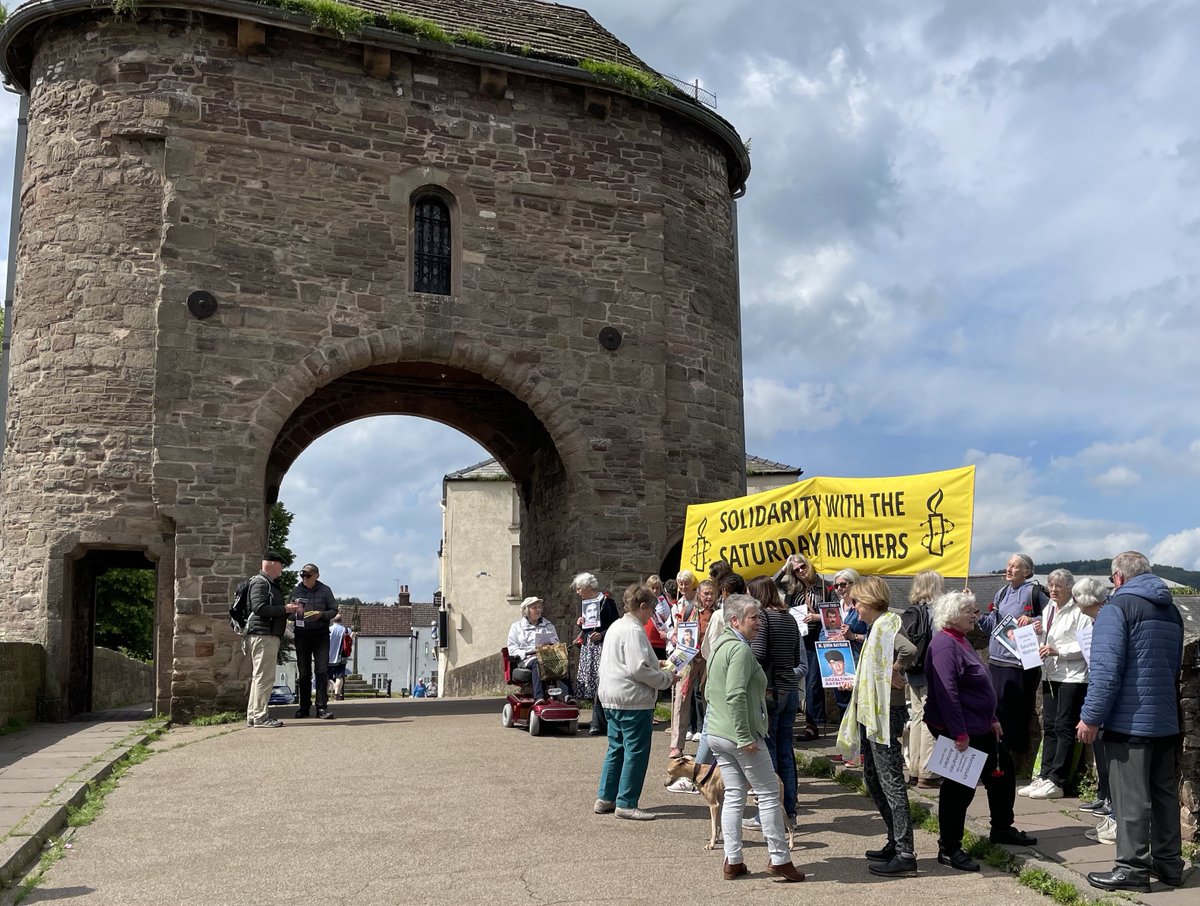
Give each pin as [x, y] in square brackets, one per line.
[1021, 860]
[22, 845]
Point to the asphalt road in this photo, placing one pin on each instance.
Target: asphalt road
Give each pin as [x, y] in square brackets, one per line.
[412, 805]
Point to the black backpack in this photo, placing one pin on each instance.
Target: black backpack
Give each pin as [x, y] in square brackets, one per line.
[917, 626]
[239, 610]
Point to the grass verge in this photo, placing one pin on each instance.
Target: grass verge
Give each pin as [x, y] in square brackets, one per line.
[216, 720]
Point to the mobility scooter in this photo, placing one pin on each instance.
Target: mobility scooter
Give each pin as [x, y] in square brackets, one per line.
[522, 710]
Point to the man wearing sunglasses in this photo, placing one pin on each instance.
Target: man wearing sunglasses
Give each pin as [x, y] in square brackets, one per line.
[312, 639]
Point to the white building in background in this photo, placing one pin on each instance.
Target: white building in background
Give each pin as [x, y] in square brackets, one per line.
[481, 558]
[395, 642]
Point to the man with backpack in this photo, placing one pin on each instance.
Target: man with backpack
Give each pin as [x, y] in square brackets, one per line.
[1016, 688]
[265, 625]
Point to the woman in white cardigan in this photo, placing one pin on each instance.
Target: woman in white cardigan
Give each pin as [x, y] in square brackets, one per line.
[1065, 682]
[630, 679]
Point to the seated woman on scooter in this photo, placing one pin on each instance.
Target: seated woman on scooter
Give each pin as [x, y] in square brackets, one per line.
[526, 634]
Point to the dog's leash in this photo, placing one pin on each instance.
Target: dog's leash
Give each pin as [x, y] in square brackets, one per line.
[696, 773]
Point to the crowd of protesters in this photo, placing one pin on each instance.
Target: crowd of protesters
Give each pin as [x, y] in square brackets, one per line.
[751, 666]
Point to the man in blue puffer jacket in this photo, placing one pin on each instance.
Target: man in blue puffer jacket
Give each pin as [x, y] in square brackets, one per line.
[1133, 702]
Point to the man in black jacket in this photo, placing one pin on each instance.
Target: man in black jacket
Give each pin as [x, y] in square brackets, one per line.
[317, 610]
[264, 629]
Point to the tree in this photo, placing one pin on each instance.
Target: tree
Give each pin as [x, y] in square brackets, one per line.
[125, 612]
[277, 536]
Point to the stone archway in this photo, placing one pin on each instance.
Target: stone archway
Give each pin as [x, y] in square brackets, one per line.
[240, 281]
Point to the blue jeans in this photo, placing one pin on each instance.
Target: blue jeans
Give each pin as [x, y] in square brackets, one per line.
[623, 773]
[814, 700]
[781, 722]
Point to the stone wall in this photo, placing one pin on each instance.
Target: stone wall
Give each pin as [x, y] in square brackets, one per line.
[1189, 793]
[118, 680]
[162, 161]
[21, 669]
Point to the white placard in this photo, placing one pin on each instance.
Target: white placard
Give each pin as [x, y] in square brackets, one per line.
[1084, 636]
[1026, 639]
[961, 767]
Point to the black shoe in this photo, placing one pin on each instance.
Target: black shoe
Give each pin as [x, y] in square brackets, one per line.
[1010, 836]
[903, 865]
[1103, 810]
[1117, 879]
[322, 714]
[958, 859]
[301, 714]
[883, 855]
[1091, 805]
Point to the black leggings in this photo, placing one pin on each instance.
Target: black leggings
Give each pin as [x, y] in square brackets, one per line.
[1000, 781]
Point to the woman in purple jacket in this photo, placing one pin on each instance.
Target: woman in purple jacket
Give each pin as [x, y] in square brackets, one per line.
[962, 705]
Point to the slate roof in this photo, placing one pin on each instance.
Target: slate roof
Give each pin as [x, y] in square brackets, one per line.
[756, 465]
[548, 29]
[490, 470]
[386, 621]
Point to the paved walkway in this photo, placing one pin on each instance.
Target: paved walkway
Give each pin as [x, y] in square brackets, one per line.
[405, 801]
[1062, 849]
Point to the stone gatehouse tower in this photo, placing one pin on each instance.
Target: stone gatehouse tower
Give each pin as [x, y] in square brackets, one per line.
[240, 230]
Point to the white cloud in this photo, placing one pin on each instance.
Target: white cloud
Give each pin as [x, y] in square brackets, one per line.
[1117, 477]
[1179, 549]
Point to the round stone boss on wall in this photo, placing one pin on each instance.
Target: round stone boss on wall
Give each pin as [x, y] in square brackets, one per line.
[371, 213]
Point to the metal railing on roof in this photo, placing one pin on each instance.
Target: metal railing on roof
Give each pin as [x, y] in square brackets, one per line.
[693, 89]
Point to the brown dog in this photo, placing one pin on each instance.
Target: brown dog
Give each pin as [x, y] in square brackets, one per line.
[708, 782]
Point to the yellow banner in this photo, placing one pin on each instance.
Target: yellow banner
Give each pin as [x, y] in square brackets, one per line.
[878, 526]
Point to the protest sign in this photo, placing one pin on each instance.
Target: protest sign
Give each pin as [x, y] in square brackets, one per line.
[961, 767]
[1005, 633]
[680, 658]
[686, 635]
[837, 665]
[1084, 636]
[831, 619]
[879, 526]
[1026, 639]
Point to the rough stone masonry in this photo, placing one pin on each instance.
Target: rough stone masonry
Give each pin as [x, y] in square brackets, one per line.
[168, 154]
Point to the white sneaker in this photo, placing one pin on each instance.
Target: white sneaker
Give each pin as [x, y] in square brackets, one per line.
[1049, 790]
[1106, 831]
[754, 824]
[682, 785]
[633, 814]
[604, 807]
[1034, 784]
[693, 737]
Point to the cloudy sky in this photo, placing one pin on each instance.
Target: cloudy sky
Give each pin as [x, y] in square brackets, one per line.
[971, 235]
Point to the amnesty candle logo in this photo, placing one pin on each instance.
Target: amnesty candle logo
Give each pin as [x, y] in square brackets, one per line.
[701, 548]
[869, 524]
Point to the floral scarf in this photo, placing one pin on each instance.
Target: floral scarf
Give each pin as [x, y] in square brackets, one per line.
[871, 698]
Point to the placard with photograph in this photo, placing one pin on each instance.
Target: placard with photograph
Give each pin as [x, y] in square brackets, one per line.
[591, 613]
[831, 620]
[1005, 633]
[687, 635]
[836, 660]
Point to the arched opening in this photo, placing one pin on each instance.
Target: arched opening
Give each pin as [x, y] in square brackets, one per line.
[492, 422]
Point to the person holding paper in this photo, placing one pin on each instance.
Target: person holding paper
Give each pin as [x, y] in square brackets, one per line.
[874, 721]
[1063, 689]
[1016, 686]
[961, 703]
[803, 592]
[629, 683]
[597, 613]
